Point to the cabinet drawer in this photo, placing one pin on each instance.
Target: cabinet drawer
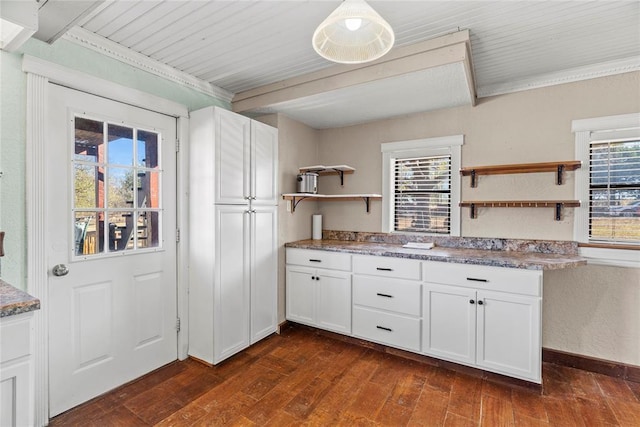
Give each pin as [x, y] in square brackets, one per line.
[385, 328]
[319, 259]
[401, 296]
[511, 280]
[400, 268]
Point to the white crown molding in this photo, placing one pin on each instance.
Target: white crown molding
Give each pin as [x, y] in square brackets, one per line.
[602, 69]
[97, 43]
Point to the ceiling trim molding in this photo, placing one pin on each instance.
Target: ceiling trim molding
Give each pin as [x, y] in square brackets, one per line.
[99, 44]
[602, 69]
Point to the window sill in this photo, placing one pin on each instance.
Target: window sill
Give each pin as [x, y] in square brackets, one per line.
[611, 255]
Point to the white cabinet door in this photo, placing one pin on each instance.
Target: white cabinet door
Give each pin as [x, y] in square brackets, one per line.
[264, 164]
[264, 271]
[509, 334]
[232, 157]
[301, 305]
[333, 299]
[231, 289]
[449, 320]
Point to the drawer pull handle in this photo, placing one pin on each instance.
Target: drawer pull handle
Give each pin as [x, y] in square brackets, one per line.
[384, 295]
[315, 260]
[473, 279]
[384, 328]
[480, 302]
[471, 301]
[384, 269]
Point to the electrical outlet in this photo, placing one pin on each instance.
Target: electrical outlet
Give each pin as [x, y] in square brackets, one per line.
[288, 205]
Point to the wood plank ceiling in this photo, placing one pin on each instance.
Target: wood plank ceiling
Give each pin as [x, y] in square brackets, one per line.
[241, 45]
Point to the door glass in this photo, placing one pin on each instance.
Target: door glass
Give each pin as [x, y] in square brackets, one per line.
[124, 214]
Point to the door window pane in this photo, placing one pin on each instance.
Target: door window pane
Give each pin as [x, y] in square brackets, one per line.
[88, 186]
[120, 188]
[148, 230]
[89, 139]
[148, 189]
[120, 145]
[116, 204]
[88, 233]
[147, 149]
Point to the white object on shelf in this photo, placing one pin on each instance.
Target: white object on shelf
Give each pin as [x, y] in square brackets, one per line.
[316, 228]
[419, 245]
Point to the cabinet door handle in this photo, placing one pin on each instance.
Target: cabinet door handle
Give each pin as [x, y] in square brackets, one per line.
[384, 295]
[384, 328]
[315, 260]
[471, 301]
[473, 279]
[480, 302]
[384, 269]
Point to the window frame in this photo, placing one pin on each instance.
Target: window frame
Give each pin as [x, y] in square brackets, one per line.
[447, 145]
[586, 131]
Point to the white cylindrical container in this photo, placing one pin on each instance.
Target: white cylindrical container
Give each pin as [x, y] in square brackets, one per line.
[316, 227]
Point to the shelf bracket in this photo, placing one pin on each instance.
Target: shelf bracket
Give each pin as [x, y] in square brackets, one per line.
[295, 203]
[560, 173]
[472, 211]
[558, 211]
[367, 202]
[341, 174]
[474, 182]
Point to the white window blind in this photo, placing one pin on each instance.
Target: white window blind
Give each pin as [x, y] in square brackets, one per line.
[422, 194]
[614, 191]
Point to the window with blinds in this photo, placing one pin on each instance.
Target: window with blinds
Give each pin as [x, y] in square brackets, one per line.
[422, 194]
[614, 191]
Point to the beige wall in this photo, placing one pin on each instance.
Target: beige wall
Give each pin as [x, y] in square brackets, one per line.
[591, 310]
[298, 146]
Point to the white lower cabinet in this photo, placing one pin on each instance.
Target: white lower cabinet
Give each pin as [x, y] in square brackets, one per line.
[16, 371]
[466, 321]
[485, 317]
[318, 296]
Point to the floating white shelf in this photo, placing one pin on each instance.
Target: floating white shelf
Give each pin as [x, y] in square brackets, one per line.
[298, 197]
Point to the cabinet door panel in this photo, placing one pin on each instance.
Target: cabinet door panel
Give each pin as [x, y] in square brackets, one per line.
[232, 158]
[449, 323]
[264, 148]
[333, 290]
[264, 270]
[232, 298]
[509, 334]
[301, 295]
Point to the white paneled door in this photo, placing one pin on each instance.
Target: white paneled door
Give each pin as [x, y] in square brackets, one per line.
[111, 252]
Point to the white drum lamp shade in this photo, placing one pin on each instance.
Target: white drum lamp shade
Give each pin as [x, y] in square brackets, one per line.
[354, 33]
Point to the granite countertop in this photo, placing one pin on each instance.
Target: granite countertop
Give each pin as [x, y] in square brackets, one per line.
[495, 258]
[14, 301]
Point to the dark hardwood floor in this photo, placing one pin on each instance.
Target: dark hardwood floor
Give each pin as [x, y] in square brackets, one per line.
[302, 378]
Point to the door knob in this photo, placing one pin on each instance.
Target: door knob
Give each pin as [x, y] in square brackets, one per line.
[60, 270]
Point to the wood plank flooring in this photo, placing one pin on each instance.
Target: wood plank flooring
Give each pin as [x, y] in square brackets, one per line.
[301, 378]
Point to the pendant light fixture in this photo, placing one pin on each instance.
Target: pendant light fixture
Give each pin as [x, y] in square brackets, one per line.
[352, 34]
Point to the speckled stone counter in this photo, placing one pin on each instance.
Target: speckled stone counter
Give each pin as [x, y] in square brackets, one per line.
[531, 255]
[14, 301]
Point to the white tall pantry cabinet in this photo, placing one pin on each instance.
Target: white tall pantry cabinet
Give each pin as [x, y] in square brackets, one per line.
[233, 233]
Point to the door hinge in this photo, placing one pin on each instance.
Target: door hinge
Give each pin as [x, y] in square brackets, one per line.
[177, 324]
[177, 145]
[177, 235]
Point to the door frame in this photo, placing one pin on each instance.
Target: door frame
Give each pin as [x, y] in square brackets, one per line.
[39, 74]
